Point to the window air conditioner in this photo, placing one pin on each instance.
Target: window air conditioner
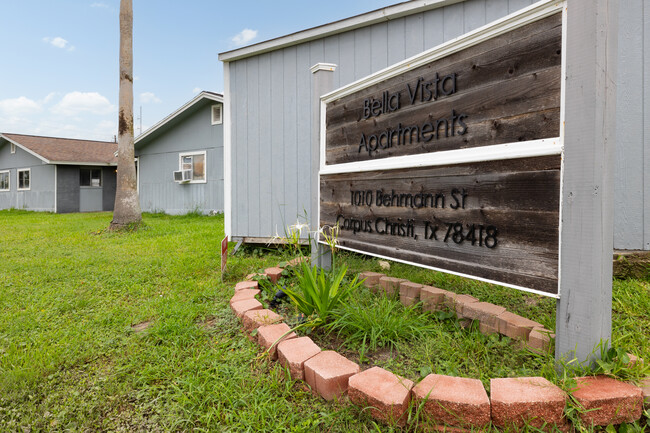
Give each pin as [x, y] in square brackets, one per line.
[182, 176]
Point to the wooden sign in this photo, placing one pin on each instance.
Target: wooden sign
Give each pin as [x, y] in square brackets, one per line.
[501, 90]
[452, 160]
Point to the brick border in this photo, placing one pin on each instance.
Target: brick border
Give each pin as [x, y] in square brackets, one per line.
[447, 400]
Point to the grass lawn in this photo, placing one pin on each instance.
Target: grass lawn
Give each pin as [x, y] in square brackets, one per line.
[73, 359]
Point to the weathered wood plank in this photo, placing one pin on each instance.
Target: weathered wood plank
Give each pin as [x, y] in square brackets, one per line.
[514, 78]
[496, 220]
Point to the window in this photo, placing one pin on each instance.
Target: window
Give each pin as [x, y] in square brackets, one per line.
[13, 148]
[91, 177]
[216, 114]
[196, 163]
[23, 179]
[4, 180]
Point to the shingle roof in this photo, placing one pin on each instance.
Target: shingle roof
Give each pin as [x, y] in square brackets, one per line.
[66, 150]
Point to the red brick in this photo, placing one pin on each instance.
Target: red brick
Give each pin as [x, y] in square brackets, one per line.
[242, 307]
[273, 274]
[532, 401]
[515, 326]
[484, 312]
[455, 302]
[634, 360]
[370, 279]
[328, 372]
[294, 352]
[390, 285]
[454, 401]
[246, 285]
[250, 277]
[487, 329]
[608, 401]
[645, 389]
[432, 298]
[297, 261]
[407, 302]
[244, 294]
[409, 289]
[539, 340]
[386, 394]
[253, 319]
[268, 336]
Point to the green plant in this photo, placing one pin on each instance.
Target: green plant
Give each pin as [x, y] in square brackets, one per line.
[380, 321]
[321, 292]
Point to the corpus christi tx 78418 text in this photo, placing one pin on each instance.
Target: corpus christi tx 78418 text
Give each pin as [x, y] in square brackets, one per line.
[432, 229]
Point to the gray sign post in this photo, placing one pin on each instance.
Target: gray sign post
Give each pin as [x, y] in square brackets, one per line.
[584, 310]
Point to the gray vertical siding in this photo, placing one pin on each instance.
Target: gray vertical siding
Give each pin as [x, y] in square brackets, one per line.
[262, 203]
[40, 196]
[159, 158]
[270, 133]
[632, 169]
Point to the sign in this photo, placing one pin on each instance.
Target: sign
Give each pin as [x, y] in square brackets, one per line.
[224, 254]
[452, 160]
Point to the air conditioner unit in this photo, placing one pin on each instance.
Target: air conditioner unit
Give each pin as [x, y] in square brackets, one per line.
[182, 176]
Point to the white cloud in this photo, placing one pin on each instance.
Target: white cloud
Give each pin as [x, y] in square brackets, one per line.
[148, 98]
[196, 90]
[49, 97]
[244, 37]
[59, 42]
[99, 5]
[19, 106]
[74, 103]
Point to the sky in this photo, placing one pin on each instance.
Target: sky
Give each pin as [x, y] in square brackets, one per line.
[60, 57]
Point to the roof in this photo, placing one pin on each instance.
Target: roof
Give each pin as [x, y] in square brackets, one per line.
[377, 16]
[203, 96]
[53, 150]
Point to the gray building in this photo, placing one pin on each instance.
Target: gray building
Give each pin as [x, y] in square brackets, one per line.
[268, 133]
[56, 174]
[180, 159]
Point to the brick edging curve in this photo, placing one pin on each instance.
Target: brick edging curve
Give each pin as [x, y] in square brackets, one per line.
[513, 401]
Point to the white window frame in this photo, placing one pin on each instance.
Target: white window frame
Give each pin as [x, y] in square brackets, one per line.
[28, 170]
[13, 147]
[216, 120]
[205, 165]
[8, 173]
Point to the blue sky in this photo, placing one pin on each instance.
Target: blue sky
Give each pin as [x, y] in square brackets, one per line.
[60, 69]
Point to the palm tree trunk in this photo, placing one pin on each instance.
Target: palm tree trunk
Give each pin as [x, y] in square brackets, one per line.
[127, 203]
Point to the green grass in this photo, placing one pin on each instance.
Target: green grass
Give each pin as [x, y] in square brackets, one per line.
[70, 359]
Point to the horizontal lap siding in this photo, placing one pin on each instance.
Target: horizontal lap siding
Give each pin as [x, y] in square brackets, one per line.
[270, 134]
[631, 204]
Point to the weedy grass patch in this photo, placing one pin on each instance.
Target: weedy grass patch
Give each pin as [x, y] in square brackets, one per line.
[72, 359]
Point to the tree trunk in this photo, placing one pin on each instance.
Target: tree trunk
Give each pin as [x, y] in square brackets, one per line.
[127, 203]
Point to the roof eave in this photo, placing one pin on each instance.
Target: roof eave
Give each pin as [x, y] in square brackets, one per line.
[85, 163]
[31, 152]
[380, 15]
[172, 116]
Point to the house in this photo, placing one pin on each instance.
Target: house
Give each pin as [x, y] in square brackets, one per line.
[270, 96]
[56, 174]
[180, 159]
